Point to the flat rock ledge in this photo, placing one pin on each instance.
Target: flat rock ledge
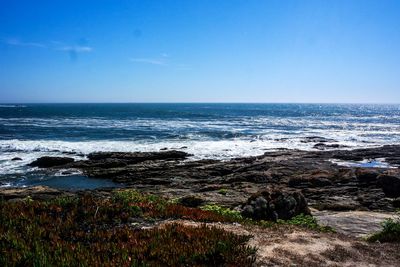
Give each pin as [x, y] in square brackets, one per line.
[324, 184]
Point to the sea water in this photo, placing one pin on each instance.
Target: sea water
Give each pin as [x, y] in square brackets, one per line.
[217, 131]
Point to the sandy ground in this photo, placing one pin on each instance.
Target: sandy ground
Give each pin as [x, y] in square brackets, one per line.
[293, 246]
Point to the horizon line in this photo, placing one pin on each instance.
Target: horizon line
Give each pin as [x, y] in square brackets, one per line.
[200, 102]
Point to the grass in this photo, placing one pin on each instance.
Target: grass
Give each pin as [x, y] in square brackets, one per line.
[390, 231]
[307, 221]
[90, 231]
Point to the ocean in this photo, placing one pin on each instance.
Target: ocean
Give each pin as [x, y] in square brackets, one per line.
[218, 131]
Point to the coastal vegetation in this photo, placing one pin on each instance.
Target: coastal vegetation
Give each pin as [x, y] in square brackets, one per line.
[126, 228]
[390, 231]
[119, 231]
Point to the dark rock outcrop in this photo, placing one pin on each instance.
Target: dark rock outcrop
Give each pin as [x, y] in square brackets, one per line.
[309, 182]
[323, 183]
[191, 201]
[396, 202]
[322, 146]
[274, 205]
[367, 175]
[137, 157]
[48, 162]
[16, 159]
[390, 184]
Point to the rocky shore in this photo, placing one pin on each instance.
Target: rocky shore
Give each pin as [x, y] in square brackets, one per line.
[349, 192]
[321, 176]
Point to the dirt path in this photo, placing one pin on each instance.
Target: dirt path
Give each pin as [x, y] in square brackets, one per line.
[292, 246]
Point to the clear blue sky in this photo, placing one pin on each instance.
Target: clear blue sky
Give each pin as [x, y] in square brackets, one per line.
[200, 51]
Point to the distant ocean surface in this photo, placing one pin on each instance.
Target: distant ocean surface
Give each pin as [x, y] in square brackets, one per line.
[220, 131]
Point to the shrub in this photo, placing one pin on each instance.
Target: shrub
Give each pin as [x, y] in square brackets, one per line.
[389, 233]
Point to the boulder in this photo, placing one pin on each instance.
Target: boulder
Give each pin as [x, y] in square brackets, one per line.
[48, 162]
[317, 139]
[366, 175]
[390, 184]
[16, 159]
[322, 146]
[396, 203]
[136, 157]
[191, 201]
[275, 204]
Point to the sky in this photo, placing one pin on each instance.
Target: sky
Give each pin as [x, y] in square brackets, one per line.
[341, 51]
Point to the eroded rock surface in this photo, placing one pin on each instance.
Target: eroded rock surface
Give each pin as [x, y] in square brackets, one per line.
[325, 185]
[354, 223]
[47, 162]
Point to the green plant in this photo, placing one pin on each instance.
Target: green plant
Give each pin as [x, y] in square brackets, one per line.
[223, 191]
[133, 196]
[390, 231]
[226, 212]
[306, 221]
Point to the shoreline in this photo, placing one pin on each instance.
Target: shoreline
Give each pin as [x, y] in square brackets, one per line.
[326, 184]
[351, 200]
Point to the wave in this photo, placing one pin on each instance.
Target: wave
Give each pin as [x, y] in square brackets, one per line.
[224, 148]
[29, 150]
[11, 106]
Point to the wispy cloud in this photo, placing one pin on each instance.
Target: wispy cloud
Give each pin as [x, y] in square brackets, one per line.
[53, 45]
[17, 42]
[72, 50]
[152, 61]
[163, 59]
[76, 49]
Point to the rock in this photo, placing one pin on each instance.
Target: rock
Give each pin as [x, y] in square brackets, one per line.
[274, 205]
[47, 162]
[136, 157]
[312, 182]
[324, 145]
[35, 192]
[320, 180]
[210, 188]
[390, 184]
[396, 202]
[191, 201]
[69, 152]
[366, 175]
[316, 139]
[16, 159]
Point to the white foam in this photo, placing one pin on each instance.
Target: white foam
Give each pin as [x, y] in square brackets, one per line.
[366, 163]
[11, 106]
[220, 149]
[245, 136]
